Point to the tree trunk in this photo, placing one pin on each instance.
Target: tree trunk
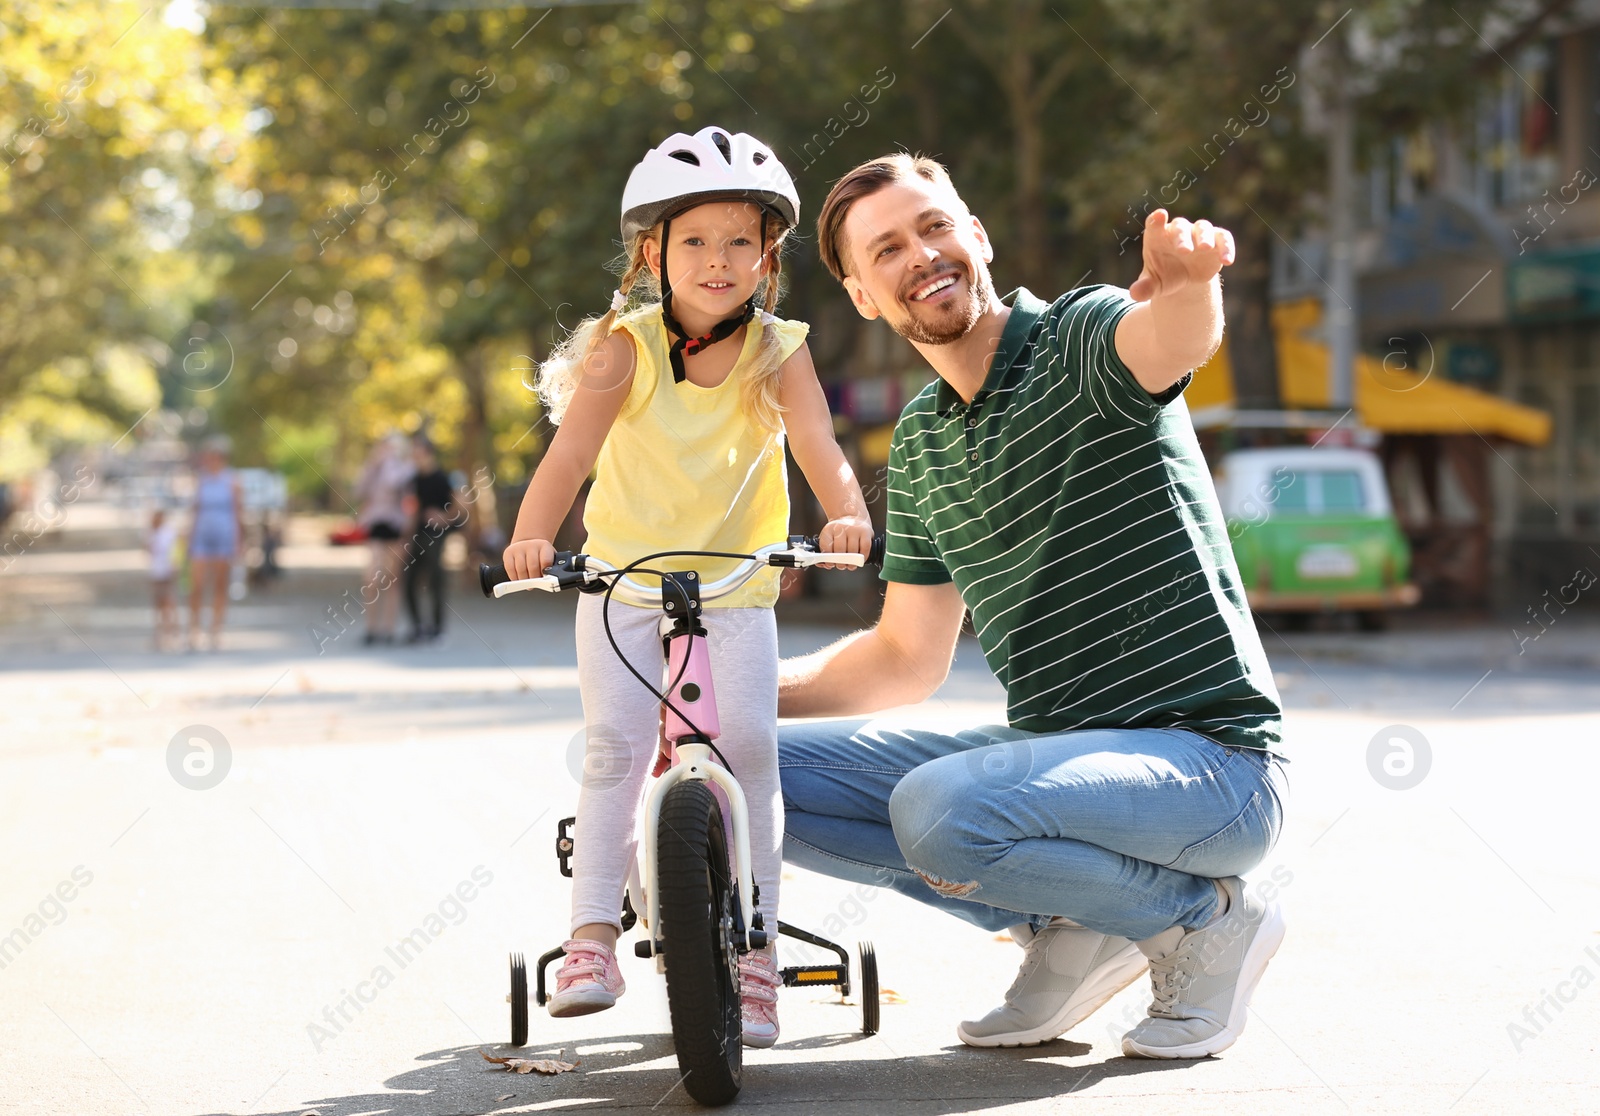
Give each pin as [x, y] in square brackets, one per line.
[1007, 39]
[1031, 226]
[482, 520]
[1247, 302]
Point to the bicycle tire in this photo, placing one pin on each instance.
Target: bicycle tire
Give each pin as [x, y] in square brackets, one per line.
[697, 902]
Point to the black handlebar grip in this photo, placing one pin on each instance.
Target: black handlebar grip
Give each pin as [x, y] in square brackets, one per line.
[490, 576]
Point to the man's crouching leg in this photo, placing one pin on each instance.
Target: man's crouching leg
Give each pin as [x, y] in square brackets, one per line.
[1068, 971]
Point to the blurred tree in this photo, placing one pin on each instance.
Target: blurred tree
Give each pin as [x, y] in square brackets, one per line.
[1219, 138]
[107, 130]
[432, 198]
[1229, 136]
[1045, 63]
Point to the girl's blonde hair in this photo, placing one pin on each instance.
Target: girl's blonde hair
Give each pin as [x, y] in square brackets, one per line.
[560, 375]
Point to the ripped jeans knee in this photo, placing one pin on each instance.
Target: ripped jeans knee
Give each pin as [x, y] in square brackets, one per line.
[948, 888]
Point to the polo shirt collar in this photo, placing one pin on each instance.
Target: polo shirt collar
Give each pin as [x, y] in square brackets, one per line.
[1026, 310]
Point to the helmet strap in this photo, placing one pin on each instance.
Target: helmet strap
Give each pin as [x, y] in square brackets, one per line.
[683, 343]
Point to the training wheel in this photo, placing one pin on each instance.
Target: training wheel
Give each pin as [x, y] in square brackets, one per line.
[869, 989]
[519, 1001]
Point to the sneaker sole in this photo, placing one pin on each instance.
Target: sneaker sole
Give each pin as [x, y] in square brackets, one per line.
[581, 1005]
[1262, 950]
[1123, 969]
[759, 1042]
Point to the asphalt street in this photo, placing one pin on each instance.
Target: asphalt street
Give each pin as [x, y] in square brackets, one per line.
[237, 933]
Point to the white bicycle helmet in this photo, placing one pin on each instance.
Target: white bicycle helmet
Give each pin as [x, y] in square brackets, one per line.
[685, 171]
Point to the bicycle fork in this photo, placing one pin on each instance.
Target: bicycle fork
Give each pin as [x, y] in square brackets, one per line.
[692, 725]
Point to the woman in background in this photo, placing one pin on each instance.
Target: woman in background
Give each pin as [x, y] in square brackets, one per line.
[215, 537]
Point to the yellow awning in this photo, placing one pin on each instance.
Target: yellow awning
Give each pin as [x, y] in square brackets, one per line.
[1391, 401]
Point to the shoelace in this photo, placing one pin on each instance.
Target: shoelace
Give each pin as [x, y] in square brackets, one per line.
[1032, 954]
[1168, 982]
[585, 961]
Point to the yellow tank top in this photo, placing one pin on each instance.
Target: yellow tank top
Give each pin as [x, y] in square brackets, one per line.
[684, 468]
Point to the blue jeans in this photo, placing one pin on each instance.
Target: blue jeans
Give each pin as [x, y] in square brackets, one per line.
[1120, 830]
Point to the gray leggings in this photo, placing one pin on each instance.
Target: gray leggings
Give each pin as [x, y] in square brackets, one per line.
[620, 720]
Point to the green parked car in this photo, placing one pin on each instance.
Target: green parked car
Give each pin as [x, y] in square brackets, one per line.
[1313, 531]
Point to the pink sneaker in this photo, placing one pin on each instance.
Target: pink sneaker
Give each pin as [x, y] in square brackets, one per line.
[758, 997]
[588, 980]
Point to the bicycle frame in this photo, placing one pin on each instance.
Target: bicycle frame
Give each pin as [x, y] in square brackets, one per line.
[688, 672]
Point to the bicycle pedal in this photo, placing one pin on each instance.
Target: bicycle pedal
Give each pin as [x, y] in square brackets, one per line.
[796, 975]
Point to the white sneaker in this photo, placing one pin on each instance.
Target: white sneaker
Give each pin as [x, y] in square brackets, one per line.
[1203, 979]
[1067, 973]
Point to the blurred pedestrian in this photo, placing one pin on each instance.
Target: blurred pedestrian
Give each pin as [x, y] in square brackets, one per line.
[382, 491]
[271, 542]
[432, 508]
[159, 543]
[215, 536]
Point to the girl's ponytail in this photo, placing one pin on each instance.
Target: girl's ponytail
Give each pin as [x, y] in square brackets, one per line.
[758, 393]
[560, 375]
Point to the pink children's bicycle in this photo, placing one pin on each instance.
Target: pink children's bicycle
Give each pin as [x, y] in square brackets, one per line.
[691, 885]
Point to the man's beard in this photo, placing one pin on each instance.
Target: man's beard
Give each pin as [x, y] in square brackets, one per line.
[957, 319]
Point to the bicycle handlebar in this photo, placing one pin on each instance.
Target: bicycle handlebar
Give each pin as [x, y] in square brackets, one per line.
[573, 571]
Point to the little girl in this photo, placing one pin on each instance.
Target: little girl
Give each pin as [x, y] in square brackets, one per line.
[682, 408]
[159, 543]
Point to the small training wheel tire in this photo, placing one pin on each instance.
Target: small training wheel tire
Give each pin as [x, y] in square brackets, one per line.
[519, 1001]
[869, 989]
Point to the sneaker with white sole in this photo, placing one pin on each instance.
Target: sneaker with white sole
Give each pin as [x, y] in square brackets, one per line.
[588, 980]
[758, 997]
[1068, 972]
[1203, 978]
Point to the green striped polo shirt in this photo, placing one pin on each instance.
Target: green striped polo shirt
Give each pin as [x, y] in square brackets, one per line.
[1076, 515]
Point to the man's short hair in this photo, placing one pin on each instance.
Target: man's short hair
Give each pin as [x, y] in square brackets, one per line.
[863, 181]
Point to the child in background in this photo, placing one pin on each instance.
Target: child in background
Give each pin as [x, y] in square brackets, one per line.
[682, 408]
[159, 543]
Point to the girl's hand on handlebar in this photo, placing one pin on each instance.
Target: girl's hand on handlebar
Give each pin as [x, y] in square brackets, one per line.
[528, 558]
[849, 534]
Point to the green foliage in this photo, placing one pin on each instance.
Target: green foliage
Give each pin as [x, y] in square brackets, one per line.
[348, 221]
[305, 455]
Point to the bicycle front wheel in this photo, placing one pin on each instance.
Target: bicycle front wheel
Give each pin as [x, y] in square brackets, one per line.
[697, 903]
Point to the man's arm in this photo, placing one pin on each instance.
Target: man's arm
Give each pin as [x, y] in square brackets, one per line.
[899, 662]
[1177, 325]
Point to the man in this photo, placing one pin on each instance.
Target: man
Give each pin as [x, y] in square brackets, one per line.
[429, 503]
[1050, 481]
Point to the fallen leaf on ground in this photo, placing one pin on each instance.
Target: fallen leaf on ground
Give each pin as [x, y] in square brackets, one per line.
[531, 1065]
[504, 1097]
[890, 996]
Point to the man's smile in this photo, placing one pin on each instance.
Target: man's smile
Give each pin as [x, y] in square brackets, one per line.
[927, 290]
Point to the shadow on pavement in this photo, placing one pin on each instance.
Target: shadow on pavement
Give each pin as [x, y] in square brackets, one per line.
[458, 1080]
